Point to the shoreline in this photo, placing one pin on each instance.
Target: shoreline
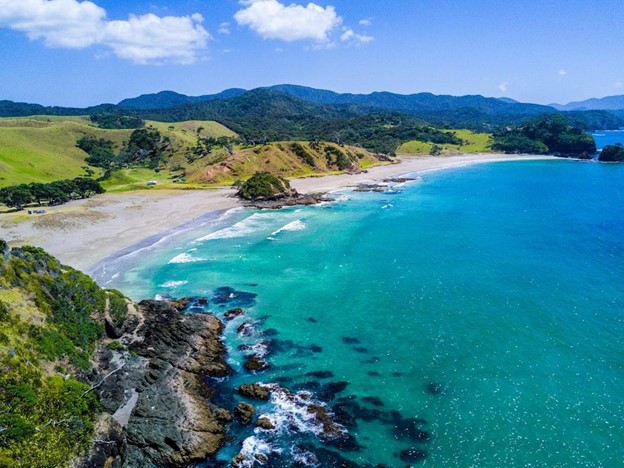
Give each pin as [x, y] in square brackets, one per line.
[86, 234]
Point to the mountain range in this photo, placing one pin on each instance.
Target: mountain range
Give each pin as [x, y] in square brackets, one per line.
[296, 106]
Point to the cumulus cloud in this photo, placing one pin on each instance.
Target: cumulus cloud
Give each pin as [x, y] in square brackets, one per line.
[365, 22]
[503, 87]
[74, 24]
[274, 20]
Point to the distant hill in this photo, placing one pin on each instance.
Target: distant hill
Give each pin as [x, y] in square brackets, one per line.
[167, 99]
[605, 103]
[291, 112]
[414, 104]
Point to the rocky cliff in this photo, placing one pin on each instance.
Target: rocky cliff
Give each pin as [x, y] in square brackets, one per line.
[158, 411]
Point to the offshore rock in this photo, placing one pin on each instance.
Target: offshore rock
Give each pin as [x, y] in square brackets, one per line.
[265, 423]
[244, 412]
[290, 200]
[255, 364]
[256, 390]
[155, 393]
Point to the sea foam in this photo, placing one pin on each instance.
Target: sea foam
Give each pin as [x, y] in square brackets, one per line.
[185, 258]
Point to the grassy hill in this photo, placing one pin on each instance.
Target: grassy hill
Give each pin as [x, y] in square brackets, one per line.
[43, 148]
[473, 143]
[285, 158]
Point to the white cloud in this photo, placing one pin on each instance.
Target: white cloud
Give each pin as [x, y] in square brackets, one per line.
[618, 84]
[224, 28]
[74, 24]
[562, 72]
[348, 35]
[273, 20]
[503, 87]
[365, 22]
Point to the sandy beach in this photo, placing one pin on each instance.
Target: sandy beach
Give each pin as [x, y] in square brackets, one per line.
[84, 232]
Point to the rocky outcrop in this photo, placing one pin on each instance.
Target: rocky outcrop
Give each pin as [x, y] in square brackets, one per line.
[289, 200]
[244, 412]
[154, 390]
[257, 391]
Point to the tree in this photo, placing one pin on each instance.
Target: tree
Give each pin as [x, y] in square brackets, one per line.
[87, 187]
[17, 196]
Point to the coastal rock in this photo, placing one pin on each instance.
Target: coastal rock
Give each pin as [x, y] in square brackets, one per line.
[246, 329]
[244, 412]
[155, 390]
[109, 447]
[233, 313]
[239, 461]
[255, 364]
[290, 200]
[370, 188]
[257, 391]
[265, 423]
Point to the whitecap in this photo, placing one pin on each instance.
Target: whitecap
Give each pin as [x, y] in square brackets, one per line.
[253, 446]
[173, 284]
[296, 225]
[243, 228]
[185, 258]
[292, 412]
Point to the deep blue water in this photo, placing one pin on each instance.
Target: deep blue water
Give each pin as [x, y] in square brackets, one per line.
[608, 137]
[476, 318]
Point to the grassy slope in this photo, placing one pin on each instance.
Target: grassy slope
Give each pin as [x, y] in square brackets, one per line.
[277, 158]
[476, 143]
[43, 148]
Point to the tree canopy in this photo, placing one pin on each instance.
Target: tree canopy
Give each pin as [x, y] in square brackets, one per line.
[264, 185]
[552, 134]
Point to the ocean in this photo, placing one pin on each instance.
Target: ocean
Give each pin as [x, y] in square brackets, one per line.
[470, 317]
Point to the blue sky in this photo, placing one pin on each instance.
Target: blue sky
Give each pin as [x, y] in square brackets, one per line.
[75, 53]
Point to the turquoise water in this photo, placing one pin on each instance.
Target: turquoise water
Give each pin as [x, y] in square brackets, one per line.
[476, 316]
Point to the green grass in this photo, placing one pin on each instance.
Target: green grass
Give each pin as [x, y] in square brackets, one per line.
[43, 148]
[475, 143]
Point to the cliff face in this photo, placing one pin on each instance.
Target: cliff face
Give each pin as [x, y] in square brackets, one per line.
[157, 405]
[84, 370]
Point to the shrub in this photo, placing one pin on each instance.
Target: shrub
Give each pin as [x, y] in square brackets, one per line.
[264, 185]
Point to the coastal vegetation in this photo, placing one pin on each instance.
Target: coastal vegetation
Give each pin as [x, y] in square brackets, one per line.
[264, 185]
[291, 132]
[554, 135]
[50, 322]
[54, 193]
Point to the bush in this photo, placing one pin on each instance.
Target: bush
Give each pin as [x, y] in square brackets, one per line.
[264, 185]
[15, 428]
[115, 346]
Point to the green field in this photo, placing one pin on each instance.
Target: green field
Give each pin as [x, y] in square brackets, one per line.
[43, 148]
[475, 143]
